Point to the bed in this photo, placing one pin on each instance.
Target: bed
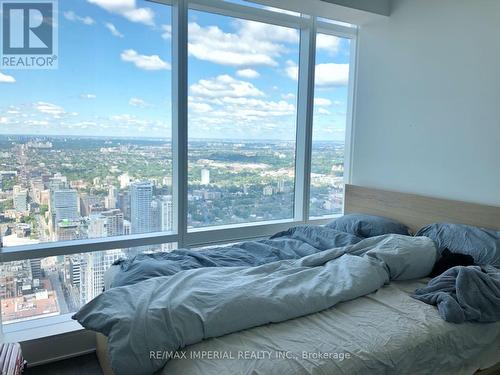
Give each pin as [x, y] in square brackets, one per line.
[383, 332]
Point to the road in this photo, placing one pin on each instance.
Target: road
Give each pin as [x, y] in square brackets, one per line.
[56, 285]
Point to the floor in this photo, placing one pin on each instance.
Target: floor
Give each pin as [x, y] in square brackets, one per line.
[84, 365]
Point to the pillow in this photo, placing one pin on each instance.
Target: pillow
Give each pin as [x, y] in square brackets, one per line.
[363, 225]
[482, 244]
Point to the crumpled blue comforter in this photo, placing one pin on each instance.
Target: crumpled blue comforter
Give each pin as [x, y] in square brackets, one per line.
[294, 243]
[147, 321]
[465, 294]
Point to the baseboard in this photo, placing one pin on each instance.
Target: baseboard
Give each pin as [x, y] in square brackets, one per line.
[59, 347]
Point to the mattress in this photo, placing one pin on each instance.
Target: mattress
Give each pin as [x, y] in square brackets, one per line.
[386, 332]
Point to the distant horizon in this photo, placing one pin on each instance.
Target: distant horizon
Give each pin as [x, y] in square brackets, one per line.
[229, 140]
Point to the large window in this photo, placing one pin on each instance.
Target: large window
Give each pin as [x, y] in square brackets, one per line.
[331, 98]
[168, 123]
[86, 149]
[242, 120]
[53, 286]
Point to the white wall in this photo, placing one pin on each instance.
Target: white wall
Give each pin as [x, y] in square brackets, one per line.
[357, 12]
[427, 112]
[375, 6]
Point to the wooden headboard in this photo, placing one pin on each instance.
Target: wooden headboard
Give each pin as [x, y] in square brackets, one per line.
[415, 211]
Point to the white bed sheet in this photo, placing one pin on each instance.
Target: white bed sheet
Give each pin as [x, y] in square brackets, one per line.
[386, 332]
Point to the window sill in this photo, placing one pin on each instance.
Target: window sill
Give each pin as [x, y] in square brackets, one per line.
[40, 328]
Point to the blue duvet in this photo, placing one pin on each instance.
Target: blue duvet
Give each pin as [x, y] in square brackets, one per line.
[291, 244]
[164, 314]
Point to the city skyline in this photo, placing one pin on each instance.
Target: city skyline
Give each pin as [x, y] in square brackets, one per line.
[68, 188]
[158, 139]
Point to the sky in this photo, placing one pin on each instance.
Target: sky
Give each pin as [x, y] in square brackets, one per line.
[114, 77]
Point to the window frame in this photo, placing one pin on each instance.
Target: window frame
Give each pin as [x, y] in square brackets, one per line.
[309, 26]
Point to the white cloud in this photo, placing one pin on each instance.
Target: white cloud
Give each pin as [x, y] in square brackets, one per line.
[144, 62]
[4, 78]
[4, 120]
[113, 30]
[247, 73]
[224, 86]
[259, 31]
[49, 109]
[167, 32]
[322, 102]
[73, 17]
[37, 122]
[88, 96]
[330, 74]
[141, 15]
[253, 43]
[258, 107]
[323, 111]
[292, 70]
[328, 42]
[226, 106]
[127, 9]
[138, 102]
[128, 119]
[199, 107]
[288, 96]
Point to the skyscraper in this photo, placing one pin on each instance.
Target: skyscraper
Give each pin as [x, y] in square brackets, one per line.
[123, 203]
[20, 197]
[68, 230]
[141, 196]
[167, 213]
[114, 222]
[205, 177]
[156, 215]
[110, 200]
[63, 204]
[124, 180]
[92, 273]
[86, 203]
[97, 226]
[106, 224]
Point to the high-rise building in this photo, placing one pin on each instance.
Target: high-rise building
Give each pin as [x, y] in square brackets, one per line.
[86, 203]
[20, 197]
[63, 205]
[124, 180]
[37, 187]
[167, 213]
[68, 230]
[73, 270]
[110, 200]
[92, 276]
[155, 215]
[114, 222]
[127, 227]
[106, 224]
[205, 177]
[36, 268]
[57, 182]
[141, 196]
[123, 203]
[97, 226]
